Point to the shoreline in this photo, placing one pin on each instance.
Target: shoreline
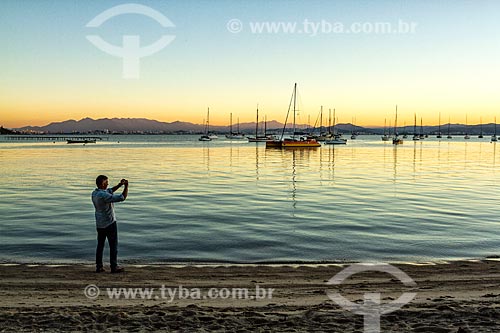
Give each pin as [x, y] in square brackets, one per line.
[201, 263]
[458, 296]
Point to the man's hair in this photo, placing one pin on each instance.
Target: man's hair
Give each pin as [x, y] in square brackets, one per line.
[100, 179]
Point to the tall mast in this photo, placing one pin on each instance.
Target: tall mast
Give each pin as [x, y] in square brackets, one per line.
[333, 121]
[208, 120]
[294, 106]
[415, 126]
[238, 125]
[330, 121]
[231, 123]
[265, 125]
[466, 125]
[321, 121]
[257, 122]
[439, 128]
[396, 122]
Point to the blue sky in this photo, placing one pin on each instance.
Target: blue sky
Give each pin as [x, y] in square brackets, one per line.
[449, 65]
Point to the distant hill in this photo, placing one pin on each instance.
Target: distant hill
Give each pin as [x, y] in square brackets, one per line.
[139, 125]
[113, 125]
[142, 125]
[455, 129]
[5, 131]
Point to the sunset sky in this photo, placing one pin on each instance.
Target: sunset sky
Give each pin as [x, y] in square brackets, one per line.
[449, 65]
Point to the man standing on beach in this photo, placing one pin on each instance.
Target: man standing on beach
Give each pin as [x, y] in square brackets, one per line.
[103, 199]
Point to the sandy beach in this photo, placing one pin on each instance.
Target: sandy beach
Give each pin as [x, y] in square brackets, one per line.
[451, 297]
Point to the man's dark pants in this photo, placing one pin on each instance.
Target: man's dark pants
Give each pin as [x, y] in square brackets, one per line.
[111, 233]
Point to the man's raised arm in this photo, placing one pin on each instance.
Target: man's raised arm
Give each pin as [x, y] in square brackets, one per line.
[115, 188]
[125, 190]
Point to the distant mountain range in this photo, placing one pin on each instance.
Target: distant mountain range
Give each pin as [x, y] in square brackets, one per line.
[141, 125]
[148, 126]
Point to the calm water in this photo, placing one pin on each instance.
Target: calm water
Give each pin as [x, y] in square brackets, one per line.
[238, 201]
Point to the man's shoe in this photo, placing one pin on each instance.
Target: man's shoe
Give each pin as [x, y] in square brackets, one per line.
[117, 269]
[100, 270]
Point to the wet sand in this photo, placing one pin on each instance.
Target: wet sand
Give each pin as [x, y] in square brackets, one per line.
[451, 297]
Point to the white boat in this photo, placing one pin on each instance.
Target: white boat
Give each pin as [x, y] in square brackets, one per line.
[232, 135]
[354, 135]
[236, 136]
[257, 137]
[323, 135]
[336, 139]
[207, 136]
[385, 137]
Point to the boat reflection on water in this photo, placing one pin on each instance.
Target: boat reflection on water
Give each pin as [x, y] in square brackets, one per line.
[295, 164]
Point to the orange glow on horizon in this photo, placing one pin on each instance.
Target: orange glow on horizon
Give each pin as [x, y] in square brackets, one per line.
[22, 119]
[21, 114]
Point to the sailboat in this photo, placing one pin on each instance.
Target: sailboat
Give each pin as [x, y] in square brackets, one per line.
[207, 136]
[466, 137]
[396, 140]
[494, 136]
[481, 128]
[259, 138]
[232, 135]
[292, 142]
[416, 137]
[439, 130]
[335, 139]
[385, 137]
[354, 135]
[322, 134]
[449, 124]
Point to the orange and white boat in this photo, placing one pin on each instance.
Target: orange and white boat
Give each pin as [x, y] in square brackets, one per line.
[293, 142]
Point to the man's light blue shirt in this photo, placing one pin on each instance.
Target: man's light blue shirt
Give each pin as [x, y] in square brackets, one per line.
[103, 203]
